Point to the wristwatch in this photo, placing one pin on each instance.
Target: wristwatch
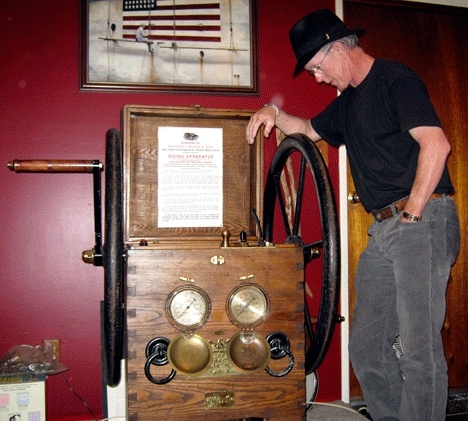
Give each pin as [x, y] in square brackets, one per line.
[270, 104]
[411, 217]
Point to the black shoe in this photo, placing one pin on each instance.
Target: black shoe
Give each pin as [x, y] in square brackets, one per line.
[363, 411]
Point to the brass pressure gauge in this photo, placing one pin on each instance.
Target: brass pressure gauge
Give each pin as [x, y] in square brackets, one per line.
[247, 305]
[188, 307]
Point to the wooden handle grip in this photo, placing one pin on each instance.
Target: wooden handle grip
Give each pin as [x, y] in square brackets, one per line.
[53, 165]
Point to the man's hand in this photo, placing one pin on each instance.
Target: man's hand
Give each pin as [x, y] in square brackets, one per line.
[265, 116]
[434, 148]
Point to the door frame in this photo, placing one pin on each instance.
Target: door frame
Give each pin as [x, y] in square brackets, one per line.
[343, 221]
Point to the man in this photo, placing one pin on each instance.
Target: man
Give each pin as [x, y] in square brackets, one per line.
[142, 36]
[397, 153]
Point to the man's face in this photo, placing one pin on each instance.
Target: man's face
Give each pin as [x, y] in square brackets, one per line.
[327, 67]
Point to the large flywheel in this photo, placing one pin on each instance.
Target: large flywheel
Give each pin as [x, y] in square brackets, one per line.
[113, 261]
[299, 201]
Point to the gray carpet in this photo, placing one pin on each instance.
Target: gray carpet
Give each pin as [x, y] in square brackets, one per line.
[333, 411]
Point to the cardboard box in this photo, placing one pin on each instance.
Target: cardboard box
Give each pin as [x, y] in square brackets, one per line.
[22, 398]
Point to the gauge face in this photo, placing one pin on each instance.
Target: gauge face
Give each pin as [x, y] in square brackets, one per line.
[247, 305]
[188, 307]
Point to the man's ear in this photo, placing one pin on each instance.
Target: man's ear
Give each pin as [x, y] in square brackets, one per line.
[338, 47]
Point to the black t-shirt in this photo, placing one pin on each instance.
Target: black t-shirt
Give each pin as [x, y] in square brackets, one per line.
[373, 121]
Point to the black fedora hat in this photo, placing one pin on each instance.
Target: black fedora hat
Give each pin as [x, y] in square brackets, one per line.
[314, 31]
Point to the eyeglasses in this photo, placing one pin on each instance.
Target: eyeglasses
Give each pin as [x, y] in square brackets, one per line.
[316, 70]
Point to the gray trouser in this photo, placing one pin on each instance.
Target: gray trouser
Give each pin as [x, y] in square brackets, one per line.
[400, 296]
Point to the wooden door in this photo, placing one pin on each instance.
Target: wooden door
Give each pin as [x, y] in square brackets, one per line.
[433, 40]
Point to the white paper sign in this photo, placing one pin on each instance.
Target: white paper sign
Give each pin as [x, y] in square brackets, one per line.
[190, 177]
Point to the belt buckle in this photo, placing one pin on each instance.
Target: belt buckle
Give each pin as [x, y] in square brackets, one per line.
[377, 216]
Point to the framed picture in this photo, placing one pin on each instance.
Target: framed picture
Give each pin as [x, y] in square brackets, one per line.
[202, 46]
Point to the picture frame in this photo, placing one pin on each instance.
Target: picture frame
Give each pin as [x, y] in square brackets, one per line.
[190, 46]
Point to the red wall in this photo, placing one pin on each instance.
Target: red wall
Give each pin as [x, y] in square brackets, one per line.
[47, 219]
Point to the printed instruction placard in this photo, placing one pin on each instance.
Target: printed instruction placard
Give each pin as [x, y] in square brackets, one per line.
[190, 177]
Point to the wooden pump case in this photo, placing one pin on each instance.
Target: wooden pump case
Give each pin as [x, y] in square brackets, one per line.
[170, 258]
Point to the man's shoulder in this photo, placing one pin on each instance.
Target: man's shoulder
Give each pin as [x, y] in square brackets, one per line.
[392, 69]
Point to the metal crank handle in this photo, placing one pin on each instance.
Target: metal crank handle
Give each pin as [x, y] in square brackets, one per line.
[54, 165]
[94, 256]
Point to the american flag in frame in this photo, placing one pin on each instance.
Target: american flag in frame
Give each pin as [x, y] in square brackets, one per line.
[169, 45]
[175, 21]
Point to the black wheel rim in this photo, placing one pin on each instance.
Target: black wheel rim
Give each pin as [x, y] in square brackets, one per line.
[113, 260]
[313, 177]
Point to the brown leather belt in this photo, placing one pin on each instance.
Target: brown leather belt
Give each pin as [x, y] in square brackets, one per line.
[391, 210]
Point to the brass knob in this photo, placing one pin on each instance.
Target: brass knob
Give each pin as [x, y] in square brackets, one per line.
[226, 235]
[353, 198]
[88, 256]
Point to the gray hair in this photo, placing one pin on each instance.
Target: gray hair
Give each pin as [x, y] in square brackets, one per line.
[350, 41]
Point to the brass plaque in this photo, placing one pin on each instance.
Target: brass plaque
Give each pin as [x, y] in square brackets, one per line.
[219, 400]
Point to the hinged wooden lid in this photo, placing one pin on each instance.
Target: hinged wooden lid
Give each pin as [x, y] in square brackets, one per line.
[242, 174]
